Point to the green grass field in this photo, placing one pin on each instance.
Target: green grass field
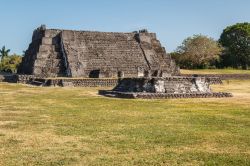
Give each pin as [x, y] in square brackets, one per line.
[215, 71]
[75, 126]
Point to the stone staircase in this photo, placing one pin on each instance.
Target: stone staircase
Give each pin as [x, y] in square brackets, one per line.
[49, 62]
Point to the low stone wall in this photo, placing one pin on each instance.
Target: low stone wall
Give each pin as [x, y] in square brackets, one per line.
[92, 82]
[162, 95]
[11, 78]
[214, 80]
[221, 76]
[211, 80]
[81, 82]
[84, 82]
[24, 79]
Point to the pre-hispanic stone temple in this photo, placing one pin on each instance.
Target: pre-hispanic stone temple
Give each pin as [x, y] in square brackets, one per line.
[54, 53]
[134, 63]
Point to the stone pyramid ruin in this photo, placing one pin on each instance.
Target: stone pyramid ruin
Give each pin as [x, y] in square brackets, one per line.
[55, 53]
[134, 63]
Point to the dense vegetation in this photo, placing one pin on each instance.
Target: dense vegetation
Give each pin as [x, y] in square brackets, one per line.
[197, 52]
[236, 41]
[9, 63]
[232, 50]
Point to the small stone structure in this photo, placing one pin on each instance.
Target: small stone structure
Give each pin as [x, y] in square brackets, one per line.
[168, 87]
[172, 84]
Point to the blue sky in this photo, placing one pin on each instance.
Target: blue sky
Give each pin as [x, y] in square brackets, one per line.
[172, 20]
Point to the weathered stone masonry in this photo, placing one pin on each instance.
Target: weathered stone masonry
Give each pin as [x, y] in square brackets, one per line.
[168, 87]
[54, 53]
[134, 63]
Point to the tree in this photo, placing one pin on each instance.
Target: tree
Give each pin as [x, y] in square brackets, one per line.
[10, 63]
[197, 51]
[4, 53]
[236, 41]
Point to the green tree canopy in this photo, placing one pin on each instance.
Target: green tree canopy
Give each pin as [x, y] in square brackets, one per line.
[10, 63]
[4, 53]
[236, 41]
[198, 51]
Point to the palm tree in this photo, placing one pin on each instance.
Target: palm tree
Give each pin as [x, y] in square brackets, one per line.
[4, 52]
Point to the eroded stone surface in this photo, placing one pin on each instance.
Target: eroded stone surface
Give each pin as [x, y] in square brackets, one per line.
[168, 87]
[174, 84]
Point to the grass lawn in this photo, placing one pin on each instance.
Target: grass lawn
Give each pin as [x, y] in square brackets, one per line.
[215, 71]
[75, 126]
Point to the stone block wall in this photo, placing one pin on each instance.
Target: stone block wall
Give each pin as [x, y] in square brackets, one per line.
[82, 82]
[103, 54]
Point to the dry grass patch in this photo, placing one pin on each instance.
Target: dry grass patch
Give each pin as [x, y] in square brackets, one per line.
[215, 71]
[75, 126]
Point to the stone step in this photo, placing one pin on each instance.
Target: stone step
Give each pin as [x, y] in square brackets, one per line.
[53, 55]
[49, 48]
[51, 33]
[47, 41]
[50, 41]
[41, 69]
[49, 63]
[53, 60]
